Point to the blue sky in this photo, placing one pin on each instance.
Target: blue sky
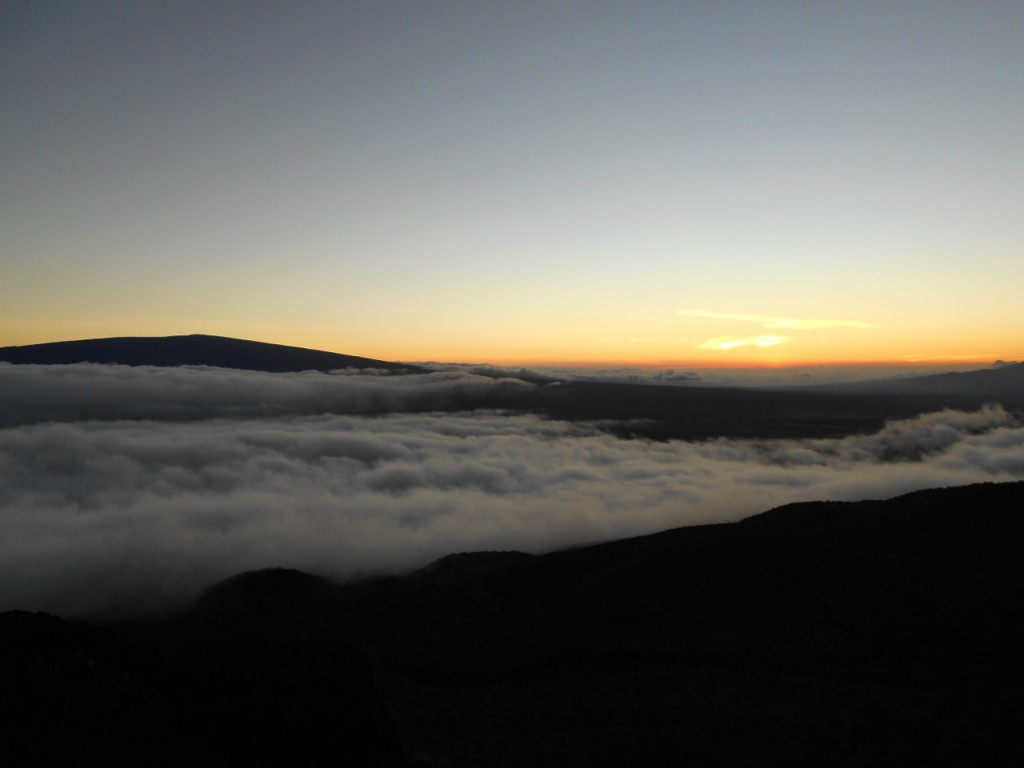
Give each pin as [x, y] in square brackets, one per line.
[531, 182]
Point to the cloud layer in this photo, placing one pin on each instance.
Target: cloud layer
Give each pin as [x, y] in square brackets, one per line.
[138, 513]
[35, 393]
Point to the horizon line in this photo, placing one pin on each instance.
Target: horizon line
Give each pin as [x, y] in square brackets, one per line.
[909, 361]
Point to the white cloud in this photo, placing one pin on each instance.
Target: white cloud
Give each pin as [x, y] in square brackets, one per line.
[101, 514]
[32, 393]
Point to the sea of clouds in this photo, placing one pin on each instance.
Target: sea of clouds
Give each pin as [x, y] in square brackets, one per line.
[133, 488]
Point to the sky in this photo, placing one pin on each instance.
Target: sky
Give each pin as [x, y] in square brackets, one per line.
[700, 184]
[132, 489]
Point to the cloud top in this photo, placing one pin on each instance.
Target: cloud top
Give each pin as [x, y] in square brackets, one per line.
[84, 391]
[137, 513]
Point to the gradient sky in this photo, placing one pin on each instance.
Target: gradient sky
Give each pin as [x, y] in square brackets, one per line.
[691, 183]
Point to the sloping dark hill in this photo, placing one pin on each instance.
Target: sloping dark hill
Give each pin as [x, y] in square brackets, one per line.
[695, 413]
[875, 633]
[843, 634]
[672, 412]
[857, 634]
[197, 349]
[1004, 384]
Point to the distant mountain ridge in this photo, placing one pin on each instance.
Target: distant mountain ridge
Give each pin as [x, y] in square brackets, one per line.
[195, 349]
[1005, 380]
[659, 412]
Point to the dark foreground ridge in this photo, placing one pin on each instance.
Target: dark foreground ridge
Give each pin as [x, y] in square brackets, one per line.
[197, 349]
[876, 633]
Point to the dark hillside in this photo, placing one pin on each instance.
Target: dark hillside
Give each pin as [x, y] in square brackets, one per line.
[191, 350]
[853, 634]
[870, 633]
[663, 412]
[1002, 384]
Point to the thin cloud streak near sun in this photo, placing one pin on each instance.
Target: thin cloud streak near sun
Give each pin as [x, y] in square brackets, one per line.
[727, 342]
[786, 323]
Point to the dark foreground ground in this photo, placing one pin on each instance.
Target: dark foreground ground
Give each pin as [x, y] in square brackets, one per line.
[825, 634]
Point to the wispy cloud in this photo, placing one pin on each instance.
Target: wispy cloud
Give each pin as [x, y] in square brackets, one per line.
[728, 342]
[779, 323]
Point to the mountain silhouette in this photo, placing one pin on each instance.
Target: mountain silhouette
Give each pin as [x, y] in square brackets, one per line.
[825, 633]
[196, 349]
[1004, 382]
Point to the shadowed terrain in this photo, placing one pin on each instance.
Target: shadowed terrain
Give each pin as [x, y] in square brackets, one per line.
[1005, 381]
[216, 688]
[870, 633]
[197, 349]
[860, 634]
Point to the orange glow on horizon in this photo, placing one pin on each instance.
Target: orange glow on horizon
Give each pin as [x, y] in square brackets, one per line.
[709, 363]
[797, 352]
[576, 347]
